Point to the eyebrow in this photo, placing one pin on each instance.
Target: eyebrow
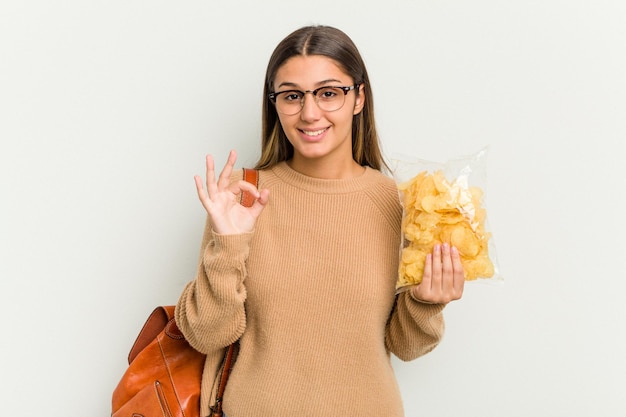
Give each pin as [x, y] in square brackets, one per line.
[294, 85]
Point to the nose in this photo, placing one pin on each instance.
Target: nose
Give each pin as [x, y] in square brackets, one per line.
[310, 110]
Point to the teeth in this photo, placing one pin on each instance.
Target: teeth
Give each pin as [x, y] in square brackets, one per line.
[314, 133]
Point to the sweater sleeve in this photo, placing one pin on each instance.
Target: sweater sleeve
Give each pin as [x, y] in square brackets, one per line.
[210, 311]
[414, 328]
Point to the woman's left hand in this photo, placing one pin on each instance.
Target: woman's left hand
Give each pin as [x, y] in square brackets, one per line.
[443, 278]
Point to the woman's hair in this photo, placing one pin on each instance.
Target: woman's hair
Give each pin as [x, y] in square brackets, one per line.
[336, 45]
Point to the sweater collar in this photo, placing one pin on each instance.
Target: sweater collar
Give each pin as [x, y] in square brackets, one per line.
[325, 186]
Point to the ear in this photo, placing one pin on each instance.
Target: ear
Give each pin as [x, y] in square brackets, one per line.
[360, 100]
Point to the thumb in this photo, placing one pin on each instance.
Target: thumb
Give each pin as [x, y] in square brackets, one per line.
[260, 202]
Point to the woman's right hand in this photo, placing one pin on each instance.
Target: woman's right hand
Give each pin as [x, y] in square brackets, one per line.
[221, 199]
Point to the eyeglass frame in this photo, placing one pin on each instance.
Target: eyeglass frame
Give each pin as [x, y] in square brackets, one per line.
[346, 89]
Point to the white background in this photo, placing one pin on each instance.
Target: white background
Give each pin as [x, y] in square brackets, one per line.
[107, 109]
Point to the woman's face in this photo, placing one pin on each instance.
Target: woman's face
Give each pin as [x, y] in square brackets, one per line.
[316, 134]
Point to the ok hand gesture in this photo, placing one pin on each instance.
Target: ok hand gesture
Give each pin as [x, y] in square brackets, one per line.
[221, 199]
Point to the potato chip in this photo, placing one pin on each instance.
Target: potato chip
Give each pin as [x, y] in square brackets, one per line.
[439, 211]
[465, 240]
[441, 184]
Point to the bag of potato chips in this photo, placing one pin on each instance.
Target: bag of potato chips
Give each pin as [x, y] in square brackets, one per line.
[444, 203]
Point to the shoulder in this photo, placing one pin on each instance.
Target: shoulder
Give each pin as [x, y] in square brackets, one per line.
[382, 185]
[383, 193]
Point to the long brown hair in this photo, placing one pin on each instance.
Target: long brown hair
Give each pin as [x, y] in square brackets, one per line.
[336, 45]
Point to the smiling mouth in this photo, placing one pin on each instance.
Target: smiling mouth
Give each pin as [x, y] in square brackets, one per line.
[313, 132]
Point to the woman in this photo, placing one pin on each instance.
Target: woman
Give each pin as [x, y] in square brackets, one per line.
[305, 278]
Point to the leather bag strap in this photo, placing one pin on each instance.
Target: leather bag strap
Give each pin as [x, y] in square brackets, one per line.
[247, 199]
[227, 366]
[251, 176]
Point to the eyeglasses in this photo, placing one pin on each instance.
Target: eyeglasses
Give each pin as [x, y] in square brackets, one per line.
[290, 102]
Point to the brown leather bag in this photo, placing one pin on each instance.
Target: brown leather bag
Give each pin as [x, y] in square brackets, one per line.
[164, 373]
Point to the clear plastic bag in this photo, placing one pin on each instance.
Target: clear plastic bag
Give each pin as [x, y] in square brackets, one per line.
[444, 203]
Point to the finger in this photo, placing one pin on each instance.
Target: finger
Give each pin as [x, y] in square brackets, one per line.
[210, 176]
[437, 267]
[260, 202]
[200, 188]
[263, 196]
[458, 274]
[243, 186]
[202, 195]
[224, 179]
[260, 197]
[446, 267]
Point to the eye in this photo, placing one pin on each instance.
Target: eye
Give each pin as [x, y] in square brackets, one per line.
[290, 96]
[328, 93]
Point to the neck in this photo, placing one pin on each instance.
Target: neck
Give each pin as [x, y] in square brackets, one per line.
[325, 169]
